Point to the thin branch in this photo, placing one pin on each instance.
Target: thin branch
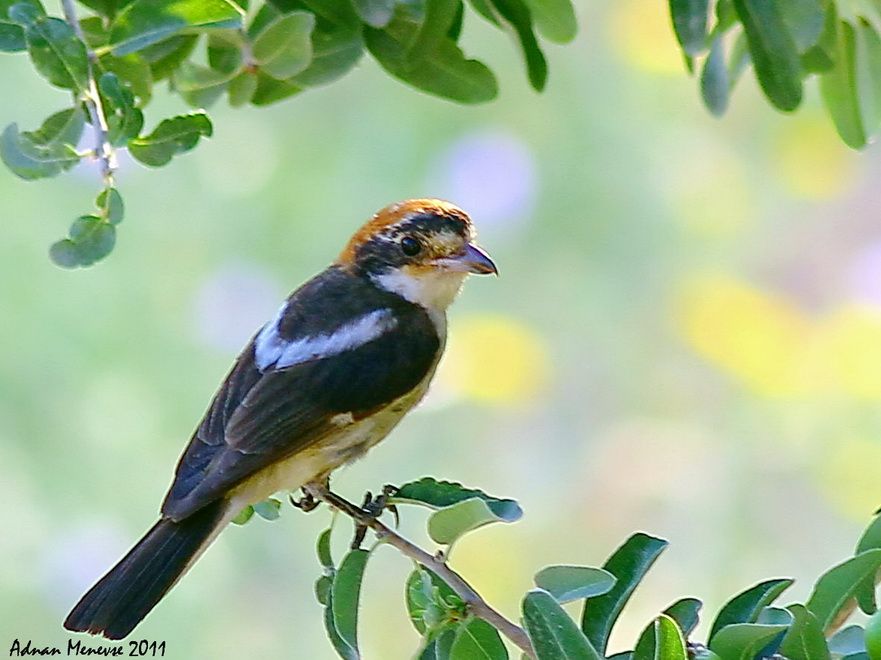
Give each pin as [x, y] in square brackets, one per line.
[475, 603]
[103, 149]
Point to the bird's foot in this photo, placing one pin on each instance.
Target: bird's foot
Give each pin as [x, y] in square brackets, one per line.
[306, 503]
[374, 507]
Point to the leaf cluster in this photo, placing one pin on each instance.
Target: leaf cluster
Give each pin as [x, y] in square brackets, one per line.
[787, 42]
[749, 626]
[112, 58]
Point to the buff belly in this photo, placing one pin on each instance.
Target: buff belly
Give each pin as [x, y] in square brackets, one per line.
[350, 442]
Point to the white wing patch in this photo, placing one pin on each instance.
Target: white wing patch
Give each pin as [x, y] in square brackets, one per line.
[270, 349]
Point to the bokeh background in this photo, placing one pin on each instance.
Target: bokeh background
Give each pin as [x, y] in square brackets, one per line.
[685, 338]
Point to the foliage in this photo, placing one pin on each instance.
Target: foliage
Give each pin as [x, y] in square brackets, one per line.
[788, 42]
[261, 53]
[749, 626]
[113, 56]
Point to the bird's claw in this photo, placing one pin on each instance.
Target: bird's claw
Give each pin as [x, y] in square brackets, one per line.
[306, 503]
[374, 507]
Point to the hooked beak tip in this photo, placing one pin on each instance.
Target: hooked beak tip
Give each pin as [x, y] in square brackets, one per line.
[478, 261]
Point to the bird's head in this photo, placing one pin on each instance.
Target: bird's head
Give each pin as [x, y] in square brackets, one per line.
[421, 249]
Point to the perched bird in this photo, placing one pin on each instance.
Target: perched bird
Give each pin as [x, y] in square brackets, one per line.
[346, 356]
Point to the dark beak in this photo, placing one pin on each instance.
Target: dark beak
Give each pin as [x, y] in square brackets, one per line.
[472, 260]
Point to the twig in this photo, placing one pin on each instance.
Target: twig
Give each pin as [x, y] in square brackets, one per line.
[103, 149]
[475, 603]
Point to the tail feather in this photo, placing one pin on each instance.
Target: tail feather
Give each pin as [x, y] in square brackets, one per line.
[127, 593]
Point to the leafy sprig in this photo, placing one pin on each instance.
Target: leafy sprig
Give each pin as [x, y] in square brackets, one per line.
[787, 42]
[111, 58]
[456, 623]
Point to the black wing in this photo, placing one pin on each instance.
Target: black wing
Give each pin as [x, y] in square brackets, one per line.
[258, 418]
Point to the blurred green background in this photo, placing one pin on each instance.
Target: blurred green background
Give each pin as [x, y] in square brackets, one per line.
[685, 338]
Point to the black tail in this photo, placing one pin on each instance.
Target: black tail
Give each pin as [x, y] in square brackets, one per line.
[120, 599]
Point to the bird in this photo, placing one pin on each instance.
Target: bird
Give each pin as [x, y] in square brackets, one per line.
[347, 355]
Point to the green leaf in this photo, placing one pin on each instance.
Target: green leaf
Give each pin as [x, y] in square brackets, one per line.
[804, 20]
[685, 612]
[269, 90]
[440, 646]
[23, 13]
[458, 22]
[848, 641]
[109, 203]
[699, 652]
[477, 640]
[554, 635]
[569, 583]
[335, 51]
[57, 54]
[819, 57]
[339, 13]
[746, 606]
[376, 13]
[94, 31]
[804, 640]
[241, 88]
[439, 17]
[167, 55]
[200, 86]
[225, 51]
[146, 22]
[628, 564]
[868, 77]
[11, 37]
[744, 641]
[339, 644]
[661, 640]
[690, 24]
[323, 548]
[774, 53]
[870, 540]
[516, 14]
[554, 19]
[31, 158]
[132, 70]
[873, 635]
[63, 127]
[714, 79]
[738, 60]
[268, 509]
[487, 11]
[346, 594]
[834, 591]
[445, 72]
[90, 239]
[106, 8]
[124, 120]
[323, 586]
[441, 494]
[284, 47]
[173, 136]
[425, 591]
[447, 525]
[243, 516]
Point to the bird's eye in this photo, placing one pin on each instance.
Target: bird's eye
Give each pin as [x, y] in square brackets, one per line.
[410, 246]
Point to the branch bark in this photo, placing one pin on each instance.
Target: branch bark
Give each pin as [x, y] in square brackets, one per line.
[475, 603]
[104, 151]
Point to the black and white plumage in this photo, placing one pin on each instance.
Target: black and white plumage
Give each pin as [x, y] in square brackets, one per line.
[347, 356]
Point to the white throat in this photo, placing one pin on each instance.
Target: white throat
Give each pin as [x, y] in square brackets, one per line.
[433, 290]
